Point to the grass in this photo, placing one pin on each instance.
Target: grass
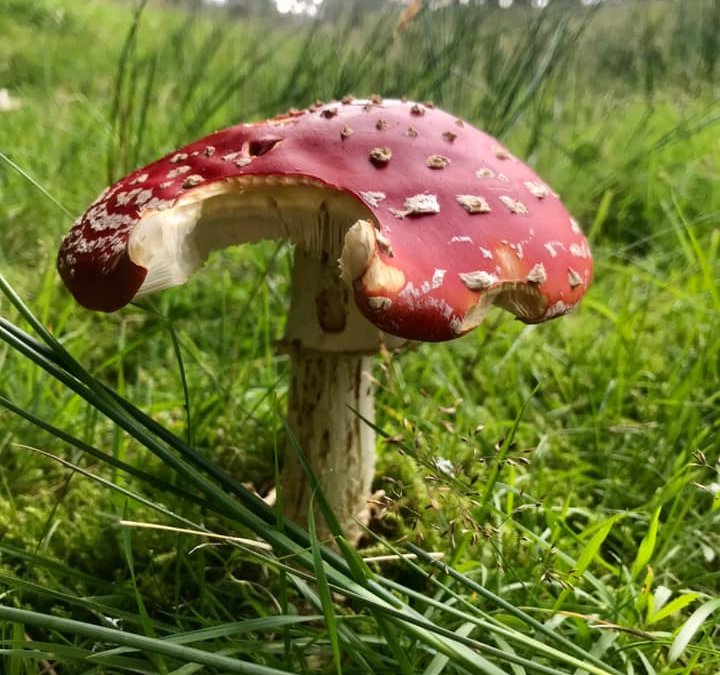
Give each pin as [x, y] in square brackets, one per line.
[568, 473]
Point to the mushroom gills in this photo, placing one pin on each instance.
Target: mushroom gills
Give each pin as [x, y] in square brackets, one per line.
[522, 299]
[173, 243]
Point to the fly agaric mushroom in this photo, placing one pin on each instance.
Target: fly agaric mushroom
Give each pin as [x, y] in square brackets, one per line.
[431, 220]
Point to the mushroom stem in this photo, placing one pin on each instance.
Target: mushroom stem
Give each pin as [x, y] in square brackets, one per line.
[331, 346]
[329, 393]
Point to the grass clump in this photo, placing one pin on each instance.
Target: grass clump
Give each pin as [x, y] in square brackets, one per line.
[567, 474]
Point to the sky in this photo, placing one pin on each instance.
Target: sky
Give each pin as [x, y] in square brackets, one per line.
[312, 7]
[307, 7]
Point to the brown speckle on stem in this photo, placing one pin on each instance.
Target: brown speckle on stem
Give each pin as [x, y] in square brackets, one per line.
[411, 132]
[381, 124]
[417, 109]
[449, 136]
[346, 132]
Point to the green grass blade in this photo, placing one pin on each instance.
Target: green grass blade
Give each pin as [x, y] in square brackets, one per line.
[690, 628]
[672, 607]
[36, 184]
[324, 591]
[590, 551]
[151, 645]
[647, 546]
[440, 661]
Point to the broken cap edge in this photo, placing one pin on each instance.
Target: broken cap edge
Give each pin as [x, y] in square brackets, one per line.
[397, 307]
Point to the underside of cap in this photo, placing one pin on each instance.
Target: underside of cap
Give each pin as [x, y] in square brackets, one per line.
[174, 243]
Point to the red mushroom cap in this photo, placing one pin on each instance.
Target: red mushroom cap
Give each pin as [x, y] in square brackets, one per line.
[453, 221]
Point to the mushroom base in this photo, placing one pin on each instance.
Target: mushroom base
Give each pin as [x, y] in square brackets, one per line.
[329, 396]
